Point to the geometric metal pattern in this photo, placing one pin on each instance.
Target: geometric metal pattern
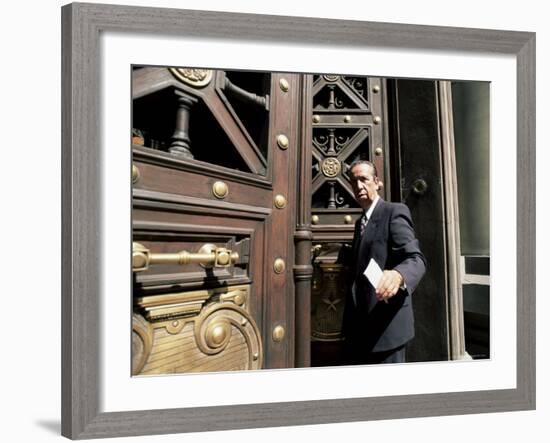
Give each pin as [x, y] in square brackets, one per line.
[342, 133]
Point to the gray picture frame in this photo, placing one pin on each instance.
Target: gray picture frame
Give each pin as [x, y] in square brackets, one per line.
[81, 205]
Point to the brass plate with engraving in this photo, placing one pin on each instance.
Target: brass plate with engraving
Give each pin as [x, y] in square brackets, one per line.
[195, 331]
[327, 302]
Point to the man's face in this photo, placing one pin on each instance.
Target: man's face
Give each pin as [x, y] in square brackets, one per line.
[365, 184]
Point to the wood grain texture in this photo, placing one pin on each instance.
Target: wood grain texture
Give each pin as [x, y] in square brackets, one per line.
[260, 27]
[526, 222]
[82, 164]
[303, 270]
[457, 344]
[80, 221]
[279, 289]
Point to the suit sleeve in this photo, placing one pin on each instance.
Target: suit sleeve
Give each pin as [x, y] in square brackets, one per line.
[407, 259]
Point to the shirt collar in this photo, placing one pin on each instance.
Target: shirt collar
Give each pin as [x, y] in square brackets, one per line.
[368, 213]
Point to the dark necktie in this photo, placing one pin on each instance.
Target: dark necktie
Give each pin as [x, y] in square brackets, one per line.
[363, 222]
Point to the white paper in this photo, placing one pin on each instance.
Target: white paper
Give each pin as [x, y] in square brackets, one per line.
[373, 273]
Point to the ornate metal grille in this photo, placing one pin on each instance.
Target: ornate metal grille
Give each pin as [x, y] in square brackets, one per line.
[347, 121]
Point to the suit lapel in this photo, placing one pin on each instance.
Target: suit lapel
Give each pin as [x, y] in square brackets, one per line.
[356, 240]
[372, 224]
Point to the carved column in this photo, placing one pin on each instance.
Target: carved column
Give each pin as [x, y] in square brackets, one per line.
[303, 269]
[181, 143]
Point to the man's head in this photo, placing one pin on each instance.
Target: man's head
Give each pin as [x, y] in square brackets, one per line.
[364, 181]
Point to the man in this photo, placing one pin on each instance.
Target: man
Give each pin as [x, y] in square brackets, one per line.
[378, 322]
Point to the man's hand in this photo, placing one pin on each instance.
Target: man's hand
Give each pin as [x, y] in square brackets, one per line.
[389, 284]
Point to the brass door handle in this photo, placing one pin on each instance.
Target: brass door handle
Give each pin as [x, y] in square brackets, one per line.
[209, 255]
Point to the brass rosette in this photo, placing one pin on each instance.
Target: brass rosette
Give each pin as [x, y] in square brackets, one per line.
[197, 78]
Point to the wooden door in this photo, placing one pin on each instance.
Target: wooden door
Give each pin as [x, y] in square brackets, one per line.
[214, 174]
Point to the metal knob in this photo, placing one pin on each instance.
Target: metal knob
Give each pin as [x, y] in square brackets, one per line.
[419, 186]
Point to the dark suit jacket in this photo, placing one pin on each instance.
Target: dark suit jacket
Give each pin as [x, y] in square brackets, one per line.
[388, 238]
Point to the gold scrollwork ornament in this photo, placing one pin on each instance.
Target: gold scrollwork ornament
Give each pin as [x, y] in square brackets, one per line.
[198, 78]
[217, 325]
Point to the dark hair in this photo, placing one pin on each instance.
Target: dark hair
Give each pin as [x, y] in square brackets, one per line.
[364, 162]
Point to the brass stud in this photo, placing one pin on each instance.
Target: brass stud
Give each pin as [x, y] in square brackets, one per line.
[377, 120]
[278, 334]
[279, 266]
[255, 356]
[348, 220]
[280, 201]
[220, 189]
[378, 151]
[376, 89]
[282, 141]
[135, 174]
[316, 119]
[218, 334]
[283, 84]
[315, 219]
[175, 324]
[347, 118]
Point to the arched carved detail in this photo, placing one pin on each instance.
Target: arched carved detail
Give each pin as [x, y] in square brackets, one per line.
[142, 342]
[218, 324]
